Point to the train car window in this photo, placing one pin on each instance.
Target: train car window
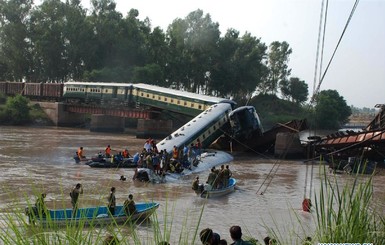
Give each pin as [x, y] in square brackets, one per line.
[178, 102]
[159, 98]
[106, 91]
[185, 103]
[192, 104]
[141, 94]
[199, 107]
[204, 136]
[215, 128]
[165, 99]
[172, 101]
[153, 96]
[148, 96]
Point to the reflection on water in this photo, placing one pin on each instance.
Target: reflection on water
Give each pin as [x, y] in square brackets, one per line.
[40, 159]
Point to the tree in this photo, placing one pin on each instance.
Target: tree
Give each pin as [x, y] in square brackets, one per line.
[331, 110]
[49, 43]
[195, 41]
[278, 59]
[295, 89]
[17, 110]
[14, 37]
[238, 67]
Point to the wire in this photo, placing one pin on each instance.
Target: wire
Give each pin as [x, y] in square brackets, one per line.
[335, 50]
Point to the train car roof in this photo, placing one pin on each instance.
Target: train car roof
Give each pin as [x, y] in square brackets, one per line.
[184, 134]
[176, 92]
[100, 84]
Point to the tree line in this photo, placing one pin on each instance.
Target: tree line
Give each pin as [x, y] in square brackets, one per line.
[58, 41]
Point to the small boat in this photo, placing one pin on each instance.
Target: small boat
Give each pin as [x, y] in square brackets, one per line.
[91, 216]
[208, 192]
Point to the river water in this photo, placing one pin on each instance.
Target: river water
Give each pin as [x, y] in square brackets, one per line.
[269, 192]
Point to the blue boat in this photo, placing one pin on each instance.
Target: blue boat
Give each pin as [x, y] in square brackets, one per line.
[91, 216]
[208, 192]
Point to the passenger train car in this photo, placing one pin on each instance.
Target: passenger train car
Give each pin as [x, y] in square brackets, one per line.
[206, 127]
[140, 94]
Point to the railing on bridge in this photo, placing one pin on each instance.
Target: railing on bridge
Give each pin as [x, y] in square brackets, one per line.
[119, 112]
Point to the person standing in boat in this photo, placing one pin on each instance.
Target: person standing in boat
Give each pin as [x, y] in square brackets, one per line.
[226, 176]
[80, 153]
[129, 205]
[211, 179]
[126, 154]
[107, 151]
[40, 206]
[76, 191]
[196, 186]
[112, 201]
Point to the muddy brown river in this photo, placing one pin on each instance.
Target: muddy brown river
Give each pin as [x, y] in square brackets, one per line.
[269, 191]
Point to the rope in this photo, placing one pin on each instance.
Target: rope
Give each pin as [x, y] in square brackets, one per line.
[275, 166]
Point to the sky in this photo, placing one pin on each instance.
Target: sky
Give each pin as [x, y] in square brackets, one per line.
[357, 71]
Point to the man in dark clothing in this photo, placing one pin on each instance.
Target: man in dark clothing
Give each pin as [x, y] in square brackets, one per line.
[236, 235]
[129, 205]
[76, 191]
[208, 237]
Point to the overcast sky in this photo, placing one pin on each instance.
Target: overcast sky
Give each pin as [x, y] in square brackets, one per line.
[358, 69]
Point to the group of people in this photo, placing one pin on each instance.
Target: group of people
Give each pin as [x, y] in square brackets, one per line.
[208, 237]
[128, 205]
[118, 157]
[217, 179]
[40, 208]
[162, 161]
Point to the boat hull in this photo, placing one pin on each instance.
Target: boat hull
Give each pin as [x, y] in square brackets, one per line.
[219, 192]
[93, 216]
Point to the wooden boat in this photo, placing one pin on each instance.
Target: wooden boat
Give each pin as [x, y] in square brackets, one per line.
[209, 193]
[91, 216]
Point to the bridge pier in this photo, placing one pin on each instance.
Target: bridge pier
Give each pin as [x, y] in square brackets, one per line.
[56, 112]
[106, 123]
[147, 128]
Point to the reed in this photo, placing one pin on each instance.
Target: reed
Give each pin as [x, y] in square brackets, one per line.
[348, 213]
[16, 230]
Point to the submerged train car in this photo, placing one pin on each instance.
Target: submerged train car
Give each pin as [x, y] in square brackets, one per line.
[206, 127]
